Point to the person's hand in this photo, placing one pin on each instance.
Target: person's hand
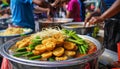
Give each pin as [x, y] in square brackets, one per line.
[95, 13]
[55, 3]
[95, 20]
[87, 19]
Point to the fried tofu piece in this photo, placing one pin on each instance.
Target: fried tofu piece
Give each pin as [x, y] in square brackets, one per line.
[48, 40]
[40, 48]
[36, 52]
[58, 51]
[23, 43]
[61, 58]
[50, 46]
[70, 53]
[69, 45]
[59, 38]
[46, 54]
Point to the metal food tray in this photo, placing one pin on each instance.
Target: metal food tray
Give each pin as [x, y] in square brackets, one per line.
[108, 57]
[15, 35]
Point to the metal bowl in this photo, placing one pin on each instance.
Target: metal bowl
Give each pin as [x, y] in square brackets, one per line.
[56, 20]
[43, 23]
[90, 60]
[79, 28]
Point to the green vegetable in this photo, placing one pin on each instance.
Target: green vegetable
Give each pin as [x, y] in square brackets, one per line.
[51, 59]
[21, 50]
[35, 43]
[20, 54]
[73, 37]
[28, 54]
[22, 35]
[83, 50]
[35, 57]
[80, 50]
[37, 37]
[75, 41]
[95, 32]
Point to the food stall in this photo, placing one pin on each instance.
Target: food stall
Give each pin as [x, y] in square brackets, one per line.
[50, 47]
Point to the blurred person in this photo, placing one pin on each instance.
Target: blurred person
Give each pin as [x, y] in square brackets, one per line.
[82, 9]
[22, 12]
[4, 9]
[72, 9]
[112, 25]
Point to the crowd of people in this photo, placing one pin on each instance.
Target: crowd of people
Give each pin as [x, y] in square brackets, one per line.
[24, 15]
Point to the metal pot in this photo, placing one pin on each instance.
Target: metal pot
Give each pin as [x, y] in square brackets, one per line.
[90, 61]
[43, 23]
[4, 22]
[79, 28]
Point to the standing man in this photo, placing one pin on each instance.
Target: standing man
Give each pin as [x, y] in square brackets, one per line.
[22, 12]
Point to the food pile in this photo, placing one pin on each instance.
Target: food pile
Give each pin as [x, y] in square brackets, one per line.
[12, 31]
[53, 45]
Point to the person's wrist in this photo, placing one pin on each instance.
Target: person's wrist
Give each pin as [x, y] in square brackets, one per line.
[103, 18]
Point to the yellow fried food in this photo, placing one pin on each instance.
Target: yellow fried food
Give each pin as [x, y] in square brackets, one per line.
[69, 45]
[58, 51]
[48, 40]
[28, 48]
[50, 46]
[61, 58]
[13, 31]
[70, 53]
[36, 52]
[24, 42]
[46, 54]
[59, 38]
[40, 48]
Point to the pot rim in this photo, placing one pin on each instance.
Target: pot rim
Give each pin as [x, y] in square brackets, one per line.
[67, 20]
[66, 25]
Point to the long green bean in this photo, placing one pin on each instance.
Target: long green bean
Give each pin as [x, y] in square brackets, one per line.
[35, 57]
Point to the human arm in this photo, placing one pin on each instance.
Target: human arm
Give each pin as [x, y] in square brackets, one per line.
[43, 6]
[40, 9]
[55, 3]
[114, 9]
[68, 15]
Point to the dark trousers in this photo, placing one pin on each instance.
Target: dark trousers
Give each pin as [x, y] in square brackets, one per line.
[111, 34]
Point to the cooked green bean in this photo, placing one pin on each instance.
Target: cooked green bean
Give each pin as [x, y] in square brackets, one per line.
[28, 54]
[21, 49]
[20, 54]
[35, 57]
[51, 59]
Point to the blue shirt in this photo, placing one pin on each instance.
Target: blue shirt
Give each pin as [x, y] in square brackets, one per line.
[22, 13]
[109, 2]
